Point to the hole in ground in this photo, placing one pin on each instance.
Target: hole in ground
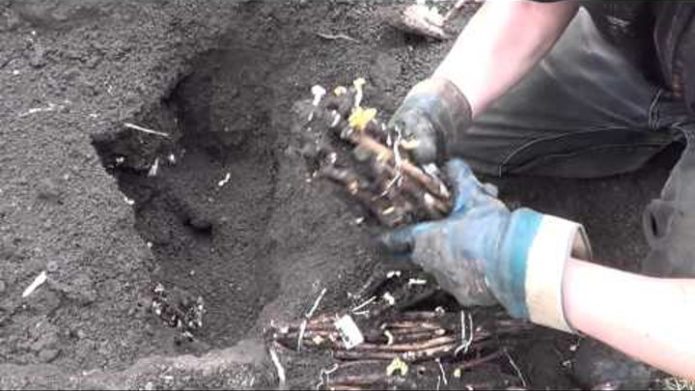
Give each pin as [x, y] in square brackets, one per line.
[260, 247]
[206, 210]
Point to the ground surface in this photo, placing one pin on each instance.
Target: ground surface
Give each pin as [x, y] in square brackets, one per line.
[221, 79]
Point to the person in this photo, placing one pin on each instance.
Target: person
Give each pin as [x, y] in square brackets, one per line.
[568, 89]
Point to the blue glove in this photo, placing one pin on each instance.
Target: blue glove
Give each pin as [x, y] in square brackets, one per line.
[483, 252]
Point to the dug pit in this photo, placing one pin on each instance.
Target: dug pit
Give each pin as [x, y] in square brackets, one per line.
[222, 197]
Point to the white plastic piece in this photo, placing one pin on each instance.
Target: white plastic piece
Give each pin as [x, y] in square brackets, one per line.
[349, 332]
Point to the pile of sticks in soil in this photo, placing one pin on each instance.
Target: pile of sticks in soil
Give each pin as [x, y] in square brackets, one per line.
[346, 143]
[376, 344]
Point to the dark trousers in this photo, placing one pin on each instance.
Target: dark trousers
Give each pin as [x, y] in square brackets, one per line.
[586, 112]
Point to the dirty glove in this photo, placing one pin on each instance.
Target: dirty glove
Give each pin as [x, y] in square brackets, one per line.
[433, 114]
[482, 250]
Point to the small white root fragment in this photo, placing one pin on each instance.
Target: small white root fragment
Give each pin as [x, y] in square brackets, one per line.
[359, 90]
[307, 317]
[282, 379]
[324, 375]
[389, 338]
[129, 201]
[319, 92]
[443, 372]
[333, 37]
[144, 130]
[300, 337]
[316, 304]
[417, 281]
[38, 281]
[224, 181]
[388, 297]
[516, 369]
[154, 169]
[466, 334]
[48, 109]
[363, 305]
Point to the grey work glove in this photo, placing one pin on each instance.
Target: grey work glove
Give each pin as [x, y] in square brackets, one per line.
[433, 114]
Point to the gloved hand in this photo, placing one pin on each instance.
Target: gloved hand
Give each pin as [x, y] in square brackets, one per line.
[483, 251]
[433, 114]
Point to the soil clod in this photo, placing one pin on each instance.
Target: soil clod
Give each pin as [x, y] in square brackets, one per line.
[178, 310]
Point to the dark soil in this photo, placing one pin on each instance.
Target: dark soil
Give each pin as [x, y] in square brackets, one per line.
[221, 78]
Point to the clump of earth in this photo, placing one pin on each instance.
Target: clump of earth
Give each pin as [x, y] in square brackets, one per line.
[211, 200]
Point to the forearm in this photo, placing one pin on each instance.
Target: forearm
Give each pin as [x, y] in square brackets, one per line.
[647, 318]
[500, 44]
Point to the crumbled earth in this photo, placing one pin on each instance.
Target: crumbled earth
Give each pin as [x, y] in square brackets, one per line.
[230, 214]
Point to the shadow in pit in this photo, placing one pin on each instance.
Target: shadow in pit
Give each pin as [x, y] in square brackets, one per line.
[204, 196]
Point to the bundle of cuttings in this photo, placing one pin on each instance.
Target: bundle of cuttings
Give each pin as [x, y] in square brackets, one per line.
[347, 143]
[376, 344]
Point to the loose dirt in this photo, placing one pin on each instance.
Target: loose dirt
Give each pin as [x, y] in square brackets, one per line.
[229, 214]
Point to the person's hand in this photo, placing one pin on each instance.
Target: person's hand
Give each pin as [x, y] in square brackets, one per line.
[433, 114]
[461, 248]
[483, 251]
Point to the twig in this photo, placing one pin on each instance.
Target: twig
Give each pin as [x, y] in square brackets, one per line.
[334, 37]
[482, 360]
[38, 281]
[366, 303]
[49, 108]
[316, 303]
[409, 347]
[516, 368]
[145, 130]
[443, 372]
[278, 366]
[326, 373]
[308, 316]
[465, 340]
